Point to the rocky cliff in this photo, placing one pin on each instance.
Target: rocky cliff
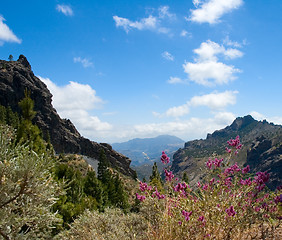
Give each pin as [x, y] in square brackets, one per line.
[15, 77]
[262, 149]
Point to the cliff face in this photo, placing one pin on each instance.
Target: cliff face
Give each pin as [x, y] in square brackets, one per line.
[15, 77]
[262, 149]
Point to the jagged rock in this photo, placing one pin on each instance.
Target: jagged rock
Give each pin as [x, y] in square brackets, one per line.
[262, 150]
[15, 77]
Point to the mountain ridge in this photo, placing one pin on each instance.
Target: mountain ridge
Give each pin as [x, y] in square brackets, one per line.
[254, 135]
[15, 77]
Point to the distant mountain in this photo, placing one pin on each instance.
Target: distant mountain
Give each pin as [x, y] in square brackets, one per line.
[147, 150]
[15, 77]
[262, 149]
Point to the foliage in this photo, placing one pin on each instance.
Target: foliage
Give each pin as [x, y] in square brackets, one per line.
[155, 178]
[28, 190]
[225, 206]
[27, 132]
[111, 224]
[11, 58]
[7, 116]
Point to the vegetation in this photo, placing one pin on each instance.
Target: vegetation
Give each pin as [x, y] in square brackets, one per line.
[44, 196]
[28, 190]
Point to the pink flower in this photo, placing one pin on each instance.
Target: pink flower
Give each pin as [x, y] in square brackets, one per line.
[143, 187]
[180, 187]
[164, 158]
[209, 163]
[230, 211]
[158, 195]
[168, 175]
[140, 197]
[201, 218]
[246, 169]
[235, 143]
[186, 215]
[228, 150]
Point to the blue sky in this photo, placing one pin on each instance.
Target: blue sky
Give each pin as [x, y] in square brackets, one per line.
[126, 69]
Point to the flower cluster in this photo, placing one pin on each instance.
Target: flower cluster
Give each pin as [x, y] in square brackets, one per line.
[216, 162]
[164, 158]
[227, 195]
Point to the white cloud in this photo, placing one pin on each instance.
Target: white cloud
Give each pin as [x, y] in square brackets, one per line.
[207, 70]
[193, 128]
[202, 73]
[261, 117]
[166, 55]
[210, 11]
[153, 23]
[65, 9]
[215, 100]
[6, 34]
[178, 111]
[164, 13]
[184, 33]
[84, 61]
[175, 80]
[144, 24]
[75, 102]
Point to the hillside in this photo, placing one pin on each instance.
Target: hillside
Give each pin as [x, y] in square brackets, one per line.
[15, 77]
[262, 149]
[147, 150]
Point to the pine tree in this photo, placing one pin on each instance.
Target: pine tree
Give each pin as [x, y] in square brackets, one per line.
[155, 178]
[27, 132]
[11, 58]
[185, 177]
[104, 174]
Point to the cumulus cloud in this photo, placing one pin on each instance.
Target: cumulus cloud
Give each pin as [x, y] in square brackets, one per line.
[207, 70]
[65, 9]
[84, 61]
[210, 11]
[166, 55]
[215, 101]
[193, 128]
[6, 34]
[75, 102]
[151, 22]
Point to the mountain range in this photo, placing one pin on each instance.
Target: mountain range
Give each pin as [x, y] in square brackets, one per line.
[262, 150]
[148, 150]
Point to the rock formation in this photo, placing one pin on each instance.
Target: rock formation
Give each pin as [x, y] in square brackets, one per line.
[15, 77]
[262, 149]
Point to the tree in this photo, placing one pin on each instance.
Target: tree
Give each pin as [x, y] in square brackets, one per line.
[11, 58]
[28, 191]
[155, 178]
[27, 105]
[104, 174]
[185, 177]
[27, 132]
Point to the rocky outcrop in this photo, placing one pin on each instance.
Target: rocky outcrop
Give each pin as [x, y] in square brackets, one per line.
[266, 155]
[15, 77]
[262, 149]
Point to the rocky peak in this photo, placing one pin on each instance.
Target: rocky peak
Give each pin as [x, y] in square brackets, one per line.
[22, 59]
[15, 77]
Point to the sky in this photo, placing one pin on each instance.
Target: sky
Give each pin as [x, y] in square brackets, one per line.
[136, 69]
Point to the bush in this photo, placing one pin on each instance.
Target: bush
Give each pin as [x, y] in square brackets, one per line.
[109, 225]
[27, 189]
[226, 205]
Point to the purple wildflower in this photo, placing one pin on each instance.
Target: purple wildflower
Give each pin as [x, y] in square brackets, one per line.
[230, 211]
[186, 215]
[246, 169]
[168, 175]
[140, 197]
[164, 158]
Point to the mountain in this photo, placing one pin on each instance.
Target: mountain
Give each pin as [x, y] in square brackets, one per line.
[15, 77]
[147, 150]
[262, 149]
